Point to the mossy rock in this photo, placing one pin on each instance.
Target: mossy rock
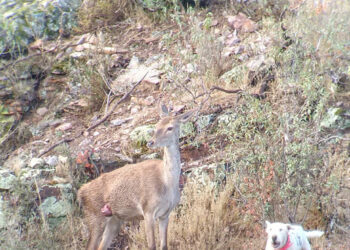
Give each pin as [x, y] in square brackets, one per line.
[23, 21]
[141, 135]
[337, 118]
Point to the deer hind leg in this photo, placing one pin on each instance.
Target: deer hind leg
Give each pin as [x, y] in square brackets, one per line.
[96, 226]
[111, 230]
[149, 222]
[163, 230]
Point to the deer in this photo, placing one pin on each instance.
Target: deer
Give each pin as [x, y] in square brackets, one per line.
[147, 190]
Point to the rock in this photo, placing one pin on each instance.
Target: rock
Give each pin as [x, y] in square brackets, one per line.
[118, 122]
[64, 127]
[212, 174]
[42, 111]
[77, 55]
[190, 68]
[187, 129]
[134, 73]
[150, 156]
[28, 176]
[337, 118]
[141, 135]
[56, 202]
[242, 23]
[25, 21]
[204, 121]
[149, 100]
[135, 110]
[52, 161]
[232, 39]
[36, 163]
[52, 207]
[7, 180]
[96, 133]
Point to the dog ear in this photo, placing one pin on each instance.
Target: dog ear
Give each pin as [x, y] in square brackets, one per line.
[289, 227]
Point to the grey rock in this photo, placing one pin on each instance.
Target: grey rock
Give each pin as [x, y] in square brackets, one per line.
[118, 122]
[150, 156]
[36, 163]
[337, 118]
[7, 179]
[141, 135]
[24, 21]
[187, 129]
[28, 176]
[52, 160]
[55, 208]
[42, 111]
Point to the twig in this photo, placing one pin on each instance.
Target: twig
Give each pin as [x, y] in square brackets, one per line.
[126, 95]
[55, 145]
[107, 101]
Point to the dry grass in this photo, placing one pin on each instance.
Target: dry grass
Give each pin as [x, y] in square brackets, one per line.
[207, 218]
[101, 13]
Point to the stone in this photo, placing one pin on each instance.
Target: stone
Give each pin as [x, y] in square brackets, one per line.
[52, 160]
[186, 129]
[36, 163]
[135, 72]
[77, 55]
[149, 100]
[150, 156]
[135, 110]
[64, 126]
[42, 111]
[27, 21]
[242, 23]
[28, 176]
[55, 208]
[141, 135]
[204, 121]
[337, 118]
[7, 180]
[118, 122]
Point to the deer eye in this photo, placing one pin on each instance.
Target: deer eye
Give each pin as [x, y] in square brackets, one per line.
[169, 128]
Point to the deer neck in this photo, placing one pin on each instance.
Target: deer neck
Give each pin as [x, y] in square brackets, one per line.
[172, 164]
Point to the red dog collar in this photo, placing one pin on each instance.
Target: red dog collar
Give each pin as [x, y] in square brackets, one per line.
[287, 245]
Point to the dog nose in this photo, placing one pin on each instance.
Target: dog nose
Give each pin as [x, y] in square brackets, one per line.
[150, 143]
[274, 238]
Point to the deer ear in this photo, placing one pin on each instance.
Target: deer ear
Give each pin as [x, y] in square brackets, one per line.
[185, 116]
[163, 110]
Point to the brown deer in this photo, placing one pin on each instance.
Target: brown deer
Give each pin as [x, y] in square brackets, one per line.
[147, 190]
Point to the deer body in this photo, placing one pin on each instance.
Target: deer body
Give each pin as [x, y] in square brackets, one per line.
[147, 190]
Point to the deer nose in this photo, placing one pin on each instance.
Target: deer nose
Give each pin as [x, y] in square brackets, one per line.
[150, 143]
[274, 238]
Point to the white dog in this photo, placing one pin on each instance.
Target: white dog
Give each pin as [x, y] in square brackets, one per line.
[285, 236]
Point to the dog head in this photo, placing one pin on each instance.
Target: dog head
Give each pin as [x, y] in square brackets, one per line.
[277, 234]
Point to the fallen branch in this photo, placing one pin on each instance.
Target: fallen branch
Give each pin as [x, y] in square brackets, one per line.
[126, 95]
[55, 145]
